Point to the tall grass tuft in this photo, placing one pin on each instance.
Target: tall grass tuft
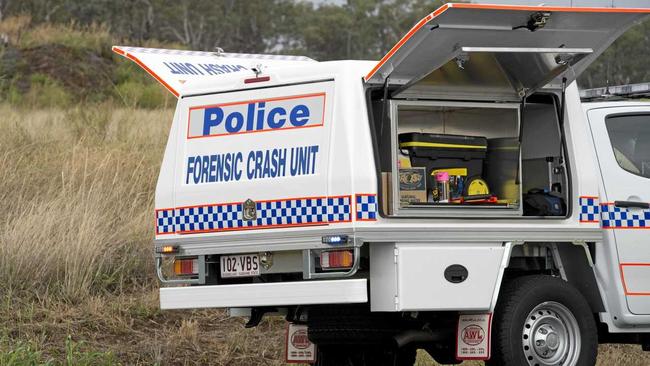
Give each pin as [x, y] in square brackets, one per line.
[95, 37]
[14, 27]
[76, 198]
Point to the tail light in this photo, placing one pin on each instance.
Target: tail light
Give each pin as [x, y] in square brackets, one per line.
[337, 259]
[186, 266]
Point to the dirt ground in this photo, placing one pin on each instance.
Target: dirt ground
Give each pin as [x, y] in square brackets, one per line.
[131, 330]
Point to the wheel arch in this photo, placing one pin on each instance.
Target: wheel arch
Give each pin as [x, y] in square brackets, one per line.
[577, 261]
[572, 261]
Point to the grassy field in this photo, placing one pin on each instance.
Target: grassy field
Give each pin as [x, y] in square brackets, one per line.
[78, 284]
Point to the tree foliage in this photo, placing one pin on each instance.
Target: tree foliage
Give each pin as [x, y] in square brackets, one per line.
[358, 29]
[624, 62]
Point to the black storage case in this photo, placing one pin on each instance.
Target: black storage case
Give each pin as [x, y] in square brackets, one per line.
[437, 151]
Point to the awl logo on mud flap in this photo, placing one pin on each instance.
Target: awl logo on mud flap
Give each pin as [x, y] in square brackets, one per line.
[257, 116]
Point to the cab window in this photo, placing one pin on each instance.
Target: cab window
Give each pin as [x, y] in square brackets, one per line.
[630, 139]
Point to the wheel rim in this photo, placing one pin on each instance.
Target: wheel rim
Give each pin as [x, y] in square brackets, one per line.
[551, 336]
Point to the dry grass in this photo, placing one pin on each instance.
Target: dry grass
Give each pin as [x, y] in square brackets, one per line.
[14, 27]
[129, 330]
[95, 37]
[76, 201]
[76, 198]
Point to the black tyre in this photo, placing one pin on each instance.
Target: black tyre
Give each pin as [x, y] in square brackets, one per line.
[542, 321]
[364, 356]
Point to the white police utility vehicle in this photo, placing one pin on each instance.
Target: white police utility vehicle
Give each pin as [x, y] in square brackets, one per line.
[456, 196]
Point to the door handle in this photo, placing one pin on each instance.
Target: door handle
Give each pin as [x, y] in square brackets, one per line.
[632, 204]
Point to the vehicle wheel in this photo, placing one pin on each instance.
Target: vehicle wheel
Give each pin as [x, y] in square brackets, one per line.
[543, 321]
[364, 356]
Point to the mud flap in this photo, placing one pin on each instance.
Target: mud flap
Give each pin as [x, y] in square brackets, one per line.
[299, 348]
[473, 336]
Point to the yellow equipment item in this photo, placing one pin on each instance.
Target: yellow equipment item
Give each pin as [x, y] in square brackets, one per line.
[477, 186]
[452, 171]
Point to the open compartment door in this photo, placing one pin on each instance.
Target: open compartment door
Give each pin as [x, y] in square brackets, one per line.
[182, 72]
[492, 52]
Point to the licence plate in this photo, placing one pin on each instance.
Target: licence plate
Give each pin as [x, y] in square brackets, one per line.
[240, 265]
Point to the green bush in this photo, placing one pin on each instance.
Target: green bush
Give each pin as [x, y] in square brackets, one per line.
[12, 95]
[126, 70]
[143, 94]
[135, 88]
[74, 356]
[44, 92]
[20, 353]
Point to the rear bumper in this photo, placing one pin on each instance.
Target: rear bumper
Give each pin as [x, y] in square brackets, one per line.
[265, 294]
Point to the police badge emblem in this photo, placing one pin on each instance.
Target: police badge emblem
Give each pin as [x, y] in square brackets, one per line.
[250, 210]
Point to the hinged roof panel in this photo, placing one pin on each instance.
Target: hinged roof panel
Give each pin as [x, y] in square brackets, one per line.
[182, 71]
[497, 51]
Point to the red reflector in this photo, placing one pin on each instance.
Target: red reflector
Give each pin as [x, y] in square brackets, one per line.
[257, 79]
[186, 266]
[336, 259]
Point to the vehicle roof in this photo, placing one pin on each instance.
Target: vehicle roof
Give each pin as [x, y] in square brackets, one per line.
[310, 71]
[587, 106]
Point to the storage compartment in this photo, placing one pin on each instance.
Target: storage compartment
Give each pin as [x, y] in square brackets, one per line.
[477, 140]
[464, 89]
[430, 277]
[544, 170]
[502, 167]
[455, 157]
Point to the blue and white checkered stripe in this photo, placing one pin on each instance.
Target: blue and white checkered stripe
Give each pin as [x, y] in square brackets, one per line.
[300, 211]
[589, 209]
[622, 218]
[366, 207]
[165, 221]
[612, 217]
[208, 218]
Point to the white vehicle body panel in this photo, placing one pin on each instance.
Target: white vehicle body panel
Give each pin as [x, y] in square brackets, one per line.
[265, 294]
[283, 178]
[397, 272]
[329, 191]
[625, 228]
